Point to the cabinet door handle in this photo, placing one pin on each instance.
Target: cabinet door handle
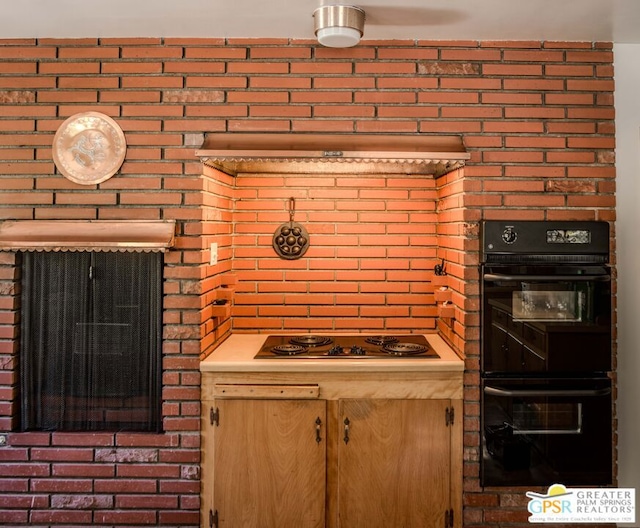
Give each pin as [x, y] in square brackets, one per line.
[346, 430]
[318, 425]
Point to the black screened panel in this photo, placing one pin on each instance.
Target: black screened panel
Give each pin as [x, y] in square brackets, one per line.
[90, 357]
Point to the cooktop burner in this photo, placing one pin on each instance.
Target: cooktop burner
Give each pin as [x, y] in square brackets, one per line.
[381, 340]
[288, 350]
[403, 349]
[310, 340]
[346, 346]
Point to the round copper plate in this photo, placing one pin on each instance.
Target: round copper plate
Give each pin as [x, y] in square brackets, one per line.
[404, 349]
[89, 148]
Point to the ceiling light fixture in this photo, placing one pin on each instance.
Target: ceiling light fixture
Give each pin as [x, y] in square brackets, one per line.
[339, 26]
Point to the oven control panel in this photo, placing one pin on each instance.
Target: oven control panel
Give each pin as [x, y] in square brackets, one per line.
[522, 237]
[553, 236]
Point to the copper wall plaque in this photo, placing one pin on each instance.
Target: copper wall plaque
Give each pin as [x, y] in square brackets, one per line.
[89, 148]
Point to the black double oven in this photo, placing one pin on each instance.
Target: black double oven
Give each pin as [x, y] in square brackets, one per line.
[546, 342]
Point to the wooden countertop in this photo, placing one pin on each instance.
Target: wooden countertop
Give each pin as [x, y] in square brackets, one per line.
[236, 354]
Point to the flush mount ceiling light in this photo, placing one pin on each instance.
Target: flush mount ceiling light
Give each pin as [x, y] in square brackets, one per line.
[339, 26]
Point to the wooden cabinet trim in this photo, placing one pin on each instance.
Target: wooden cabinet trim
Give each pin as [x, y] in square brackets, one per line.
[411, 385]
[265, 391]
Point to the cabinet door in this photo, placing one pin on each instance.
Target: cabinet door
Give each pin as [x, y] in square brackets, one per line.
[394, 468]
[269, 467]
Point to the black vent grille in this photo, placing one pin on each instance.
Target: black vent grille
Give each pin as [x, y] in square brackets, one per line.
[91, 341]
[509, 258]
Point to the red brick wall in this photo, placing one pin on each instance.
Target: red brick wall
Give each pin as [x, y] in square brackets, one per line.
[368, 267]
[536, 117]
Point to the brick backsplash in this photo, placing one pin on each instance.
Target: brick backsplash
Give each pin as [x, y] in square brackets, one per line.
[373, 246]
[537, 118]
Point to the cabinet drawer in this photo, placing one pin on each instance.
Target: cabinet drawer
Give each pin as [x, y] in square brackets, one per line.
[265, 391]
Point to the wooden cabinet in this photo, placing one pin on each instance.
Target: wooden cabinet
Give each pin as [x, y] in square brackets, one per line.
[393, 465]
[269, 465]
[279, 456]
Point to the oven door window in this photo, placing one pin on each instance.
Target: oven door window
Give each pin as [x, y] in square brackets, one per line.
[547, 303]
[546, 418]
[538, 432]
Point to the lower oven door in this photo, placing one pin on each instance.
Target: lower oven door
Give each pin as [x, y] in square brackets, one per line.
[538, 432]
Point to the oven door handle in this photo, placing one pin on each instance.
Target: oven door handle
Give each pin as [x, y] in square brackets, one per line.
[495, 391]
[494, 277]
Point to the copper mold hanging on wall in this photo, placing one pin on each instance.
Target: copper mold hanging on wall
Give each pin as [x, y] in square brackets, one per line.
[291, 240]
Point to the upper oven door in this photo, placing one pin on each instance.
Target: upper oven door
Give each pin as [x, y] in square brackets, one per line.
[540, 319]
